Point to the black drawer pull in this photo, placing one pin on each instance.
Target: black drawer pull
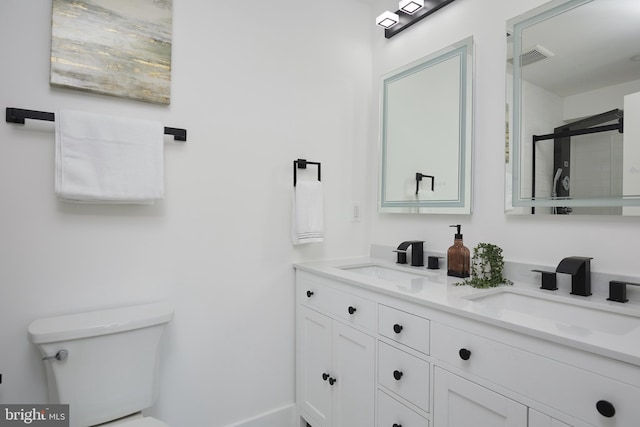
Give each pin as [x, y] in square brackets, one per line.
[351, 309]
[464, 354]
[397, 425]
[332, 381]
[397, 328]
[325, 376]
[606, 409]
[309, 294]
[397, 375]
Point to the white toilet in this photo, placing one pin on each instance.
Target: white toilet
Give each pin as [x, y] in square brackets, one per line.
[104, 363]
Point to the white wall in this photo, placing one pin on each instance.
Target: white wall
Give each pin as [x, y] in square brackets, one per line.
[254, 95]
[598, 101]
[541, 240]
[542, 113]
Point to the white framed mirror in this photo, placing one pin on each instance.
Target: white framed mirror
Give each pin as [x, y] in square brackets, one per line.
[573, 103]
[426, 134]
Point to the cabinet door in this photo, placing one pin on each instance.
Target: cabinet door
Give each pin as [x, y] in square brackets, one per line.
[462, 403]
[314, 359]
[538, 419]
[354, 368]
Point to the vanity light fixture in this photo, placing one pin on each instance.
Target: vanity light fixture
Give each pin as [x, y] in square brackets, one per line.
[410, 6]
[387, 19]
[410, 12]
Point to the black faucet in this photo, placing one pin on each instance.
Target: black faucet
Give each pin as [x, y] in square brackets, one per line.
[580, 270]
[417, 252]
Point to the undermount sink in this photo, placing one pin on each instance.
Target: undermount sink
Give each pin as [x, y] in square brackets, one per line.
[512, 304]
[386, 273]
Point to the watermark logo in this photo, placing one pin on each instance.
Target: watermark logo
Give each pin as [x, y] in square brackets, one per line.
[34, 415]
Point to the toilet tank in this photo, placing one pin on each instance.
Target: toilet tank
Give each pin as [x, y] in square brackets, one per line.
[112, 360]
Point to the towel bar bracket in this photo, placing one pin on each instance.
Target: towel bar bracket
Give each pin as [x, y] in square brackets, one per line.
[178, 134]
[17, 115]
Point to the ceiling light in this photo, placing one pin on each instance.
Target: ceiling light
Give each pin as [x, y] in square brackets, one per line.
[410, 6]
[387, 19]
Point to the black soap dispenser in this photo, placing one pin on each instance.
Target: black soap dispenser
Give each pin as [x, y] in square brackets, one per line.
[458, 257]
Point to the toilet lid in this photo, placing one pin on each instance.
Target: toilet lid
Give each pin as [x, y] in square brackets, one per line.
[144, 422]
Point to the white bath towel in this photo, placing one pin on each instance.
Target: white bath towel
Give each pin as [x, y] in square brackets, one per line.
[307, 216]
[106, 159]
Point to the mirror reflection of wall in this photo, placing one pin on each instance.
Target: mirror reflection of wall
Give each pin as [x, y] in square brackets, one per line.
[578, 68]
[422, 118]
[631, 152]
[426, 134]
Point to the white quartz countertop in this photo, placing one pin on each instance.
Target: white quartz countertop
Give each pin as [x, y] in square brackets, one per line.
[617, 338]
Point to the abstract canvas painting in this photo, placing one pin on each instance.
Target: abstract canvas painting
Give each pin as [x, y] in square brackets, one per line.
[115, 47]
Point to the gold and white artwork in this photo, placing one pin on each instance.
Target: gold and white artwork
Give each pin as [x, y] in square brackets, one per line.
[115, 47]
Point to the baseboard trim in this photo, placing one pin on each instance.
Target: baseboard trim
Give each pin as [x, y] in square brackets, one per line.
[278, 417]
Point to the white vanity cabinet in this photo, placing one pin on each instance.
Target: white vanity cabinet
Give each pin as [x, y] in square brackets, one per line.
[335, 363]
[370, 356]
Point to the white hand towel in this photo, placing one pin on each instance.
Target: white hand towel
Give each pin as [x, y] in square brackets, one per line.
[106, 159]
[307, 222]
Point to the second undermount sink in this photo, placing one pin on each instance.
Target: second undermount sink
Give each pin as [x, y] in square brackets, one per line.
[386, 272]
[515, 305]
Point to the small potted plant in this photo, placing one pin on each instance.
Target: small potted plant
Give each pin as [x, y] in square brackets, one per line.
[487, 267]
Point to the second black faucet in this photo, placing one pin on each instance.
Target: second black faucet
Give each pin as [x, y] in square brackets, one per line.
[417, 252]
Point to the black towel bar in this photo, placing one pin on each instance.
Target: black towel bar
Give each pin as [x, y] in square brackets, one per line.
[18, 115]
[302, 164]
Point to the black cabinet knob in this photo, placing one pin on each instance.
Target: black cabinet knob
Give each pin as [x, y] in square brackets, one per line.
[325, 376]
[397, 328]
[332, 381]
[351, 309]
[309, 293]
[464, 354]
[397, 425]
[606, 409]
[397, 375]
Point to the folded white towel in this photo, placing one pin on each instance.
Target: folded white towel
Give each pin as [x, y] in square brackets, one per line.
[106, 159]
[307, 222]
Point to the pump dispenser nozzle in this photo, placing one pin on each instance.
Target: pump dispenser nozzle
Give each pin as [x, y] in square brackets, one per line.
[458, 234]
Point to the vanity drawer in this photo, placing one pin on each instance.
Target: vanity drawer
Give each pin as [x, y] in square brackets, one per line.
[351, 308]
[404, 374]
[403, 327]
[391, 412]
[566, 388]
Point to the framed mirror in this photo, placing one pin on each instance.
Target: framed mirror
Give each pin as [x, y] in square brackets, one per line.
[426, 134]
[573, 103]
